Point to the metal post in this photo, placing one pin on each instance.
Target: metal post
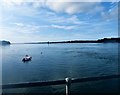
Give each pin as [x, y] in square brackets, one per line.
[68, 83]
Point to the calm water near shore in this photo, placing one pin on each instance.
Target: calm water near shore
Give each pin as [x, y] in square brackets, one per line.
[58, 61]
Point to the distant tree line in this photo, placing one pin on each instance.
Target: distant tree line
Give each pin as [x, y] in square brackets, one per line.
[105, 40]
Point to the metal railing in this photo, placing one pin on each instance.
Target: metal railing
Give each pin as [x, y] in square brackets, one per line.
[66, 81]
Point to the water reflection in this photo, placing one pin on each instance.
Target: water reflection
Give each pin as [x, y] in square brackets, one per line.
[26, 62]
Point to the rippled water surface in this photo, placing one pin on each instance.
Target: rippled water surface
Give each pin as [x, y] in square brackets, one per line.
[58, 61]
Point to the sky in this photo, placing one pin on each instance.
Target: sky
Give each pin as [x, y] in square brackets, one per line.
[57, 20]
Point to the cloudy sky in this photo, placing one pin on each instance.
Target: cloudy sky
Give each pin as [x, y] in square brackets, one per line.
[46, 20]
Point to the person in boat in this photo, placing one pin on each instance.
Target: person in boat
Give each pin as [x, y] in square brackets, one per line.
[27, 58]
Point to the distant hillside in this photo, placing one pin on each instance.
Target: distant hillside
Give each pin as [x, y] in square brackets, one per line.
[107, 40]
[5, 43]
[104, 40]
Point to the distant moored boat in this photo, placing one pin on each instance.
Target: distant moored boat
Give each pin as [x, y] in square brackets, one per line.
[27, 58]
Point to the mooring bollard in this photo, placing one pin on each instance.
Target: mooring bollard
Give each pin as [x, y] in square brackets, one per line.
[68, 83]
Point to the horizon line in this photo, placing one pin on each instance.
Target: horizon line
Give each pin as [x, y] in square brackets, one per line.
[62, 40]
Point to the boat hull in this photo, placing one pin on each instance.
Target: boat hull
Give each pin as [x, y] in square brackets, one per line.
[27, 59]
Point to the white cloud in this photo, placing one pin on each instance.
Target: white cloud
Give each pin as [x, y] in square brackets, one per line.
[97, 9]
[10, 3]
[70, 7]
[69, 20]
[20, 32]
[111, 14]
[75, 20]
[66, 6]
[22, 28]
[21, 1]
[19, 24]
[63, 27]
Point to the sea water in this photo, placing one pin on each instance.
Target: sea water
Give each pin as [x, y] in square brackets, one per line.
[58, 61]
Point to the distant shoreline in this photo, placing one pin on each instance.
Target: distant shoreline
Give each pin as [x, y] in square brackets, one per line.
[4, 43]
[104, 40]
